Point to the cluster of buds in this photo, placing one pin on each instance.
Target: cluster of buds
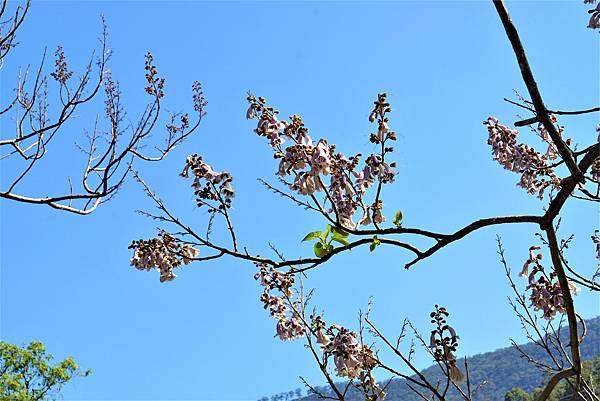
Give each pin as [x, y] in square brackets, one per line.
[163, 253]
[209, 185]
[536, 173]
[351, 358]
[369, 386]
[155, 85]
[310, 162]
[112, 104]
[443, 343]
[184, 123]
[378, 115]
[61, 72]
[198, 96]
[546, 291]
[288, 328]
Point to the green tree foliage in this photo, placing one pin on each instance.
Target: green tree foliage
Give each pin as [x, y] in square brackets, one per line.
[563, 391]
[517, 394]
[28, 374]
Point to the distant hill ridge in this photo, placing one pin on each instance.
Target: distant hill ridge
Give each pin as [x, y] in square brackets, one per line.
[503, 370]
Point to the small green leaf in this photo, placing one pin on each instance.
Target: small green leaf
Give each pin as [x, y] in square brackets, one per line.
[340, 233]
[398, 219]
[374, 244]
[320, 250]
[313, 235]
[340, 240]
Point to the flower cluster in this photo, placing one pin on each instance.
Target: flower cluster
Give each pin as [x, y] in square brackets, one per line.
[351, 358]
[288, 328]
[198, 96]
[443, 343]
[209, 185]
[163, 253]
[546, 291]
[155, 85]
[113, 108]
[536, 173]
[61, 72]
[310, 162]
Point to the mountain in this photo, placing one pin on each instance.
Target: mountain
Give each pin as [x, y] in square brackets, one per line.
[502, 370]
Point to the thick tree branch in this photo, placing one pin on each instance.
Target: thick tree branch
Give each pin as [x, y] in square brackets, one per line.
[469, 229]
[542, 112]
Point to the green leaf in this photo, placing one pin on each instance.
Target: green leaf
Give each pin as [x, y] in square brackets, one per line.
[338, 232]
[320, 250]
[340, 240]
[313, 235]
[398, 219]
[374, 244]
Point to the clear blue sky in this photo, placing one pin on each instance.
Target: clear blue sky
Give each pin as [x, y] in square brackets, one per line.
[66, 279]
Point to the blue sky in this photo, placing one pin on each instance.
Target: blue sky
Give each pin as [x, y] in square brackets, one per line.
[66, 280]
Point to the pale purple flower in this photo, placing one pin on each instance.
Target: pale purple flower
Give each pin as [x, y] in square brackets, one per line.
[346, 351]
[533, 257]
[322, 339]
[307, 184]
[290, 329]
[295, 159]
[547, 295]
[378, 217]
[321, 158]
[374, 167]
[270, 126]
